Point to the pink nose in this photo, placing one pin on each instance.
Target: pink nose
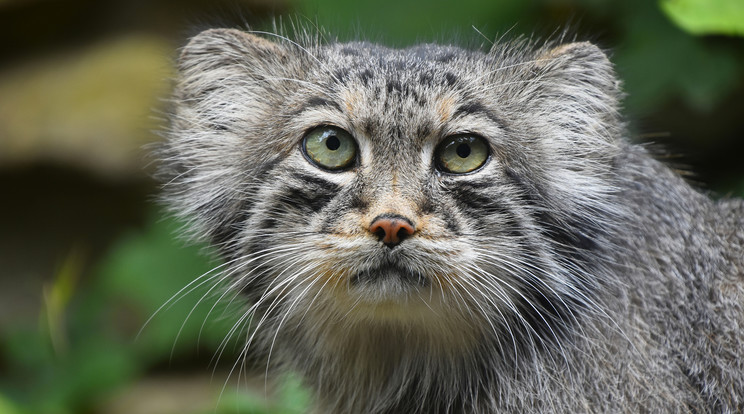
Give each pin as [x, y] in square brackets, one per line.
[392, 230]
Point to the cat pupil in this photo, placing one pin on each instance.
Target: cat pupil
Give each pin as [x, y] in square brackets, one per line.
[332, 143]
[463, 150]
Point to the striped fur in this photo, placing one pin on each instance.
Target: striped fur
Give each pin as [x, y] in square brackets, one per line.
[570, 273]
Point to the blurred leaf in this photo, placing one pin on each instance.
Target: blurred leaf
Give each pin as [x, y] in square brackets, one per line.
[651, 72]
[291, 398]
[99, 322]
[57, 296]
[96, 367]
[242, 403]
[702, 17]
[153, 275]
[658, 63]
[7, 406]
[69, 382]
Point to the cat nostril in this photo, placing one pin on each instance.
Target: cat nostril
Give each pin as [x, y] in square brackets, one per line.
[404, 232]
[379, 231]
[391, 230]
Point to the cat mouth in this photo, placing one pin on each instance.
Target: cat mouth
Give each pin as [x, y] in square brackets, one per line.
[389, 271]
[388, 281]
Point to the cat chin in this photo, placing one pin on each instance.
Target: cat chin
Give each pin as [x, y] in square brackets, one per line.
[387, 284]
[392, 297]
[411, 312]
[420, 320]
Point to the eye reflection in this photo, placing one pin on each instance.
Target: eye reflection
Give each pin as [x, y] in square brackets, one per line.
[330, 148]
[460, 154]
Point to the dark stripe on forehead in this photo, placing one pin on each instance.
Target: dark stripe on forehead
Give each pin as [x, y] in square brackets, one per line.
[394, 85]
[477, 108]
[316, 101]
[341, 75]
[350, 51]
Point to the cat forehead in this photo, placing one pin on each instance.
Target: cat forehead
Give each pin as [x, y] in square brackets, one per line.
[376, 53]
[424, 65]
[399, 94]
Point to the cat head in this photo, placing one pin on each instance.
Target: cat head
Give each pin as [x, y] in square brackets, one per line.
[428, 185]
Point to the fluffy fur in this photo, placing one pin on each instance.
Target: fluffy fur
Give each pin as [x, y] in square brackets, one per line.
[571, 273]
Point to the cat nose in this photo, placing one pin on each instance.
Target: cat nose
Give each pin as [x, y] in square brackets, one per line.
[391, 229]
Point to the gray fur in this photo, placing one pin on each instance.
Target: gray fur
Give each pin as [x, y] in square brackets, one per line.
[571, 273]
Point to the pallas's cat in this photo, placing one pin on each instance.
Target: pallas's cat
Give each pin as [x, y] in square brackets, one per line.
[433, 229]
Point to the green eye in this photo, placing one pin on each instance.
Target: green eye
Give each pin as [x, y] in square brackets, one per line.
[330, 147]
[459, 154]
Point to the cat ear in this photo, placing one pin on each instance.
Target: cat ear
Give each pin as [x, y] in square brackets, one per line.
[572, 109]
[576, 93]
[229, 58]
[229, 81]
[580, 70]
[579, 52]
[216, 48]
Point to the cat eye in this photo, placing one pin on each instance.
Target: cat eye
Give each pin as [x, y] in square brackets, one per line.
[330, 147]
[460, 154]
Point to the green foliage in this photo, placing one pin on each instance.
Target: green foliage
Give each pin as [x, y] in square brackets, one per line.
[8, 407]
[143, 271]
[291, 398]
[707, 16]
[87, 344]
[404, 22]
[649, 60]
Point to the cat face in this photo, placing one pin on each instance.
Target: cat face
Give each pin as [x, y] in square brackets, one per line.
[362, 184]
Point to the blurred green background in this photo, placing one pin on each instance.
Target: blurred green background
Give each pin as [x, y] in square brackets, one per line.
[86, 256]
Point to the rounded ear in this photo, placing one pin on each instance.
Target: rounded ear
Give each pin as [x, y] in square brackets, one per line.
[571, 105]
[579, 52]
[576, 93]
[580, 69]
[218, 47]
[229, 82]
